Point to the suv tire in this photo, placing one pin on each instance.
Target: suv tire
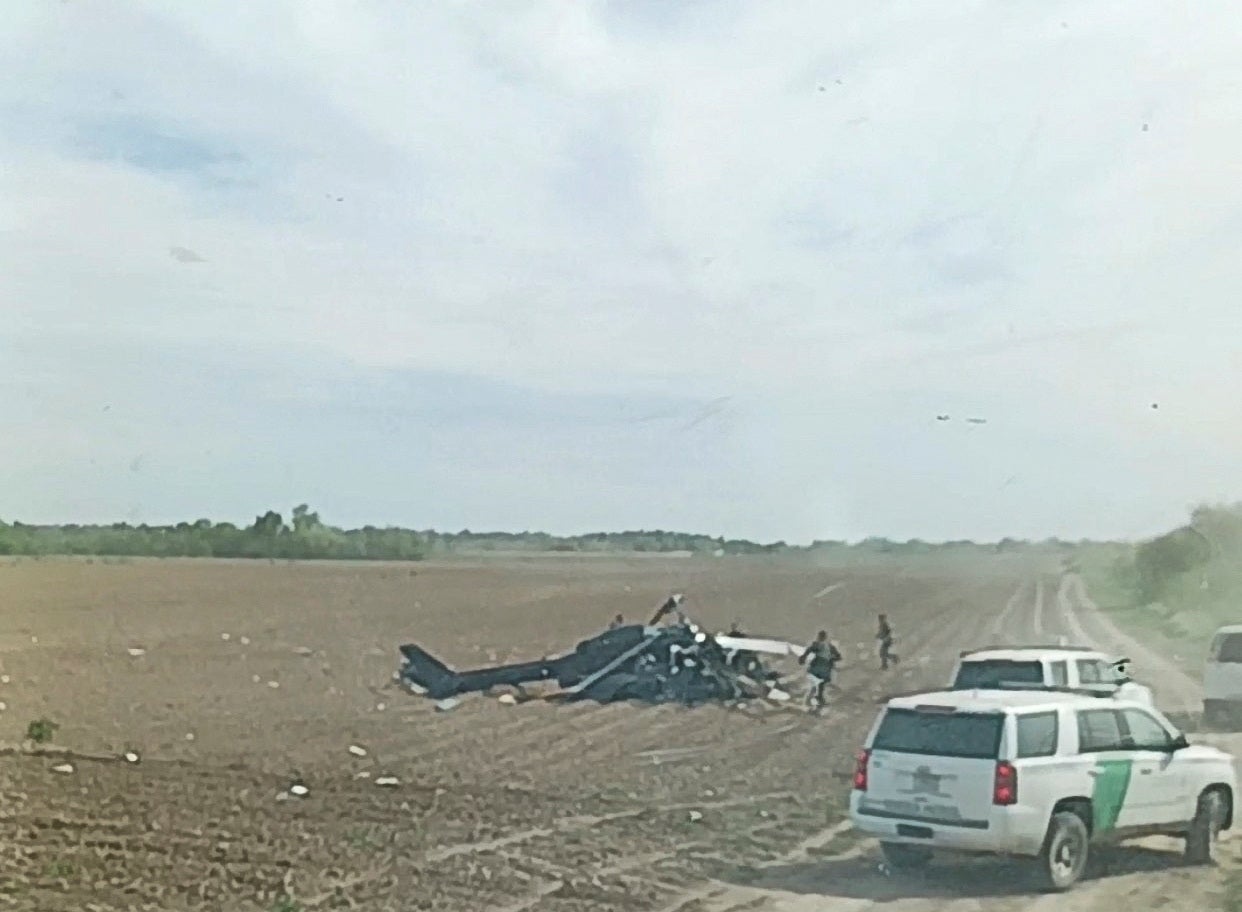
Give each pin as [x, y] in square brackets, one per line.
[1066, 851]
[903, 857]
[1209, 819]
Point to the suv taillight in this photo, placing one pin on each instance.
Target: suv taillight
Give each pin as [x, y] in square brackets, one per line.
[1005, 785]
[860, 770]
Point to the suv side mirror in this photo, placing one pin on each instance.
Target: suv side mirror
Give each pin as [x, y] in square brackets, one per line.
[1178, 743]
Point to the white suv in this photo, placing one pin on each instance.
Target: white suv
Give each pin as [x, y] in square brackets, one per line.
[1034, 773]
[1052, 667]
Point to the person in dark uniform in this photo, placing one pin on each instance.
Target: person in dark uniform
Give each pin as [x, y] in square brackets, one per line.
[885, 636]
[823, 657]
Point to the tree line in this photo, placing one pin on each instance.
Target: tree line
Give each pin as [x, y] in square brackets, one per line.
[305, 536]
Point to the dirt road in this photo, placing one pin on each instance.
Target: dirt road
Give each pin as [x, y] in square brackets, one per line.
[251, 674]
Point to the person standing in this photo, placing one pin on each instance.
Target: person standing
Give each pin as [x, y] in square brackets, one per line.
[823, 657]
[885, 636]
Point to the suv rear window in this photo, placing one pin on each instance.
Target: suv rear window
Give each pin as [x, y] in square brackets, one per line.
[1227, 648]
[941, 734]
[995, 672]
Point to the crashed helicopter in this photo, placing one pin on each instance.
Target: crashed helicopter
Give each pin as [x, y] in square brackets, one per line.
[661, 661]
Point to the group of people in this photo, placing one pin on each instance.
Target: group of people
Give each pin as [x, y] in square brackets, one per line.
[820, 659]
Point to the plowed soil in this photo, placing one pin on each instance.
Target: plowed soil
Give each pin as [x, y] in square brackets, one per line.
[232, 680]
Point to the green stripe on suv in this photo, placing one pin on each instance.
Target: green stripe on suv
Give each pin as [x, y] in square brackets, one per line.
[1112, 781]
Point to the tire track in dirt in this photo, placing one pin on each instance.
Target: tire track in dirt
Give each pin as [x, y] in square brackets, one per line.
[1173, 688]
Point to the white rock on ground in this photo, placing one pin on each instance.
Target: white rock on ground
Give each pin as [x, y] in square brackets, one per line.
[136, 651]
[695, 816]
[387, 781]
[131, 757]
[63, 768]
[357, 751]
[507, 699]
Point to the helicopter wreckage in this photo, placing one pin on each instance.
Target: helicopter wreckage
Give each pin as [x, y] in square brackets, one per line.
[670, 659]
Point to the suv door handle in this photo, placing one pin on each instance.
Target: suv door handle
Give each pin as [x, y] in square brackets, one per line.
[1093, 773]
[1146, 771]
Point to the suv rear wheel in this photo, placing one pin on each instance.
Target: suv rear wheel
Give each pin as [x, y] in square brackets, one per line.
[903, 857]
[1066, 850]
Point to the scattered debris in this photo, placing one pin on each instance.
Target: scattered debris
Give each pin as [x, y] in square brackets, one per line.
[380, 707]
[256, 679]
[132, 757]
[189, 736]
[298, 790]
[696, 816]
[63, 768]
[245, 641]
[364, 774]
[273, 684]
[226, 637]
[3, 706]
[5, 679]
[507, 699]
[304, 651]
[357, 751]
[136, 651]
[387, 781]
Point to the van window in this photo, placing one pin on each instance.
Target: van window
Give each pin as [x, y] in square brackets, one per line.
[1060, 673]
[1037, 734]
[941, 734]
[1227, 648]
[1099, 730]
[996, 672]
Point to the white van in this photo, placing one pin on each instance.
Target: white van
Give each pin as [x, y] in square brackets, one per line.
[1222, 676]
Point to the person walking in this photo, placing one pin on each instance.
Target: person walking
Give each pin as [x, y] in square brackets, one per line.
[885, 636]
[823, 657]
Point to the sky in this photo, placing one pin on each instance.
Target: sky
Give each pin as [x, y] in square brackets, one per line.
[572, 266]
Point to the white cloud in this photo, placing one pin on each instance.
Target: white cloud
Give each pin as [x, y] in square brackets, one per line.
[848, 217]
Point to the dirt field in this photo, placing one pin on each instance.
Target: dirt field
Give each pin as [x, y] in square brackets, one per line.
[255, 673]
